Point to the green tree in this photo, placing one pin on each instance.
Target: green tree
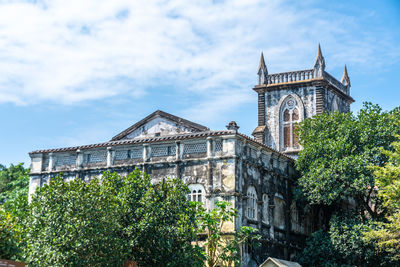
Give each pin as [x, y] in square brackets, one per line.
[319, 251]
[338, 150]
[14, 182]
[335, 165]
[74, 224]
[157, 220]
[342, 245]
[222, 245]
[14, 186]
[105, 222]
[387, 235]
[10, 236]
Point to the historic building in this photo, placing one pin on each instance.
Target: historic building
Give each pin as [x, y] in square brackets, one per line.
[287, 98]
[256, 175]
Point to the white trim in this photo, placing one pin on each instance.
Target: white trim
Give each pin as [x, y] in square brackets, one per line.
[281, 106]
[196, 190]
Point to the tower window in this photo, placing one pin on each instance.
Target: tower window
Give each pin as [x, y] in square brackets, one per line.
[290, 119]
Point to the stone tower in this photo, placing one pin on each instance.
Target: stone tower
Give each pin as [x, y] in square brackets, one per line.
[286, 98]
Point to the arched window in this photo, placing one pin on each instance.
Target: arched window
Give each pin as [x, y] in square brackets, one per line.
[196, 193]
[279, 211]
[290, 117]
[335, 105]
[251, 203]
[265, 212]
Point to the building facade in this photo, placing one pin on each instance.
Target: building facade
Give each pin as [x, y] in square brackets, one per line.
[256, 175]
[287, 98]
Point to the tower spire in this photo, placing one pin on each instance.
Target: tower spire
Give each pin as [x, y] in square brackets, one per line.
[319, 64]
[262, 71]
[345, 78]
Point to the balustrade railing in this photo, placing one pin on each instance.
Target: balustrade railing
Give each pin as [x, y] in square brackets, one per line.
[335, 82]
[292, 76]
[303, 75]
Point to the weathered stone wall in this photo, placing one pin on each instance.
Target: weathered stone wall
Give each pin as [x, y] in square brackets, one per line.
[225, 165]
[272, 105]
[334, 102]
[159, 126]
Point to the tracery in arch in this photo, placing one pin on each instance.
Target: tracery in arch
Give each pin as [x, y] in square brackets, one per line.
[335, 104]
[290, 117]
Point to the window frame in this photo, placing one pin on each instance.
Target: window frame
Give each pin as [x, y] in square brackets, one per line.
[251, 210]
[197, 192]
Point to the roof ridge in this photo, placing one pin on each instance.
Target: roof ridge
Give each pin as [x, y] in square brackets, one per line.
[158, 112]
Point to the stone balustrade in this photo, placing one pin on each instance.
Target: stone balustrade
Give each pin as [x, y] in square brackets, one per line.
[292, 76]
[335, 82]
[303, 75]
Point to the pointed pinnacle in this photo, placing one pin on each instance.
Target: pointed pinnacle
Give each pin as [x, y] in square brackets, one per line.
[262, 62]
[345, 78]
[319, 53]
[345, 71]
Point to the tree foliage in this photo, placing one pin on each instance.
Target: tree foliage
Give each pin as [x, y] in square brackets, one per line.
[10, 236]
[343, 156]
[14, 182]
[104, 223]
[157, 220]
[387, 235]
[74, 224]
[222, 244]
[14, 186]
[338, 150]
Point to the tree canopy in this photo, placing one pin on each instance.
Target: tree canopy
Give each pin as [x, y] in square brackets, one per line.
[74, 224]
[338, 150]
[106, 222]
[387, 233]
[14, 182]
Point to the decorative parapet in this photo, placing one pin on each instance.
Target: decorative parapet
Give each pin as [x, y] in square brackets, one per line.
[291, 76]
[108, 157]
[305, 75]
[213, 144]
[332, 80]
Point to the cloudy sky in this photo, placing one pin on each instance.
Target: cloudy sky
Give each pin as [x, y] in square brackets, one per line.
[77, 72]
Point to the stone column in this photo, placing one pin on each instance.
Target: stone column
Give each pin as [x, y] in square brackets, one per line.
[146, 152]
[177, 158]
[79, 159]
[210, 147]
[36, 162]
[177, 150]
[110, 156]
[51, 161]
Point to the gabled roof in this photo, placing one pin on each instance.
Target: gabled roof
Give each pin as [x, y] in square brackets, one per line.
[281, 263]
[180, 121]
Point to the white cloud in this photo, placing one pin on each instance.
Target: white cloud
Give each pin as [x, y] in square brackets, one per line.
[72, 51]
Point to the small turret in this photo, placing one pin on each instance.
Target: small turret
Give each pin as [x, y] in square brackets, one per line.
[319, 64]
[262, 71]
[232, 126]
[345, 78]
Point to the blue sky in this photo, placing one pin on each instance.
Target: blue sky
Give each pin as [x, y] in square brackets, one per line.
[78, 72]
